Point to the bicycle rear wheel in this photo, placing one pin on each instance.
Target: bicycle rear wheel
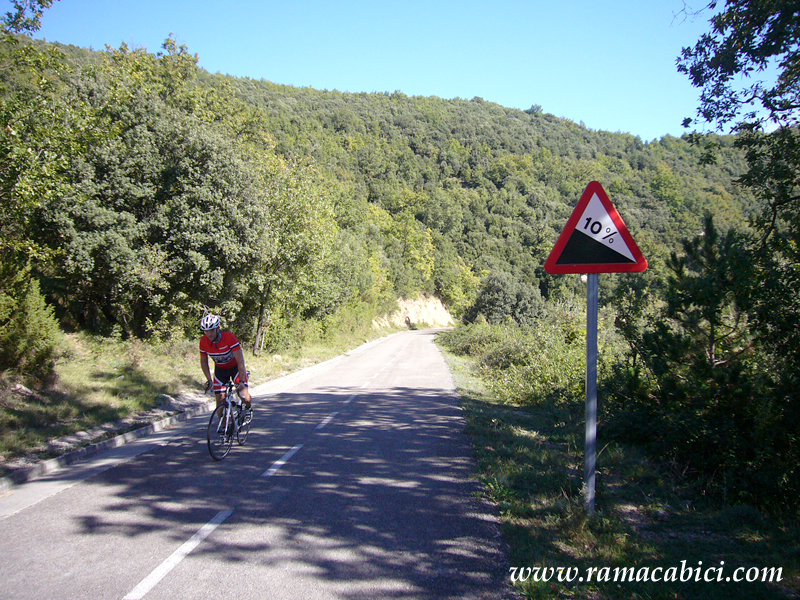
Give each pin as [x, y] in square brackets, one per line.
[220, 434]
[241, 433]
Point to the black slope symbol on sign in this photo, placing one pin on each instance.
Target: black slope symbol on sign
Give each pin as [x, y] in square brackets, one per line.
[581, 249]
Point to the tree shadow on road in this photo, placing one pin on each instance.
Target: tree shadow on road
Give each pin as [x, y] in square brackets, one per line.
[379, 501]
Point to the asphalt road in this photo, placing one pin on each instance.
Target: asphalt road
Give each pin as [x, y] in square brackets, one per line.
[356, 483]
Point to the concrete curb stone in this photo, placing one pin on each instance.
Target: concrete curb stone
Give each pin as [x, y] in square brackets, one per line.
[44, 467]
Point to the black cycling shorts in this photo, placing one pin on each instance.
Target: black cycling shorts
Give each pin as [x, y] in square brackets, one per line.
[223, 376]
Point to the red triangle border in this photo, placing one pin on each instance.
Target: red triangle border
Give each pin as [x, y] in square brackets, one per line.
[552, 268]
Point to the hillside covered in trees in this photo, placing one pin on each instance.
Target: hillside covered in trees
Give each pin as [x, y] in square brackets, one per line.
[496, 184]
[138, 189]
[180, 188]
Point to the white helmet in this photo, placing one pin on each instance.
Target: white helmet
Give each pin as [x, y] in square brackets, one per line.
[209, 322]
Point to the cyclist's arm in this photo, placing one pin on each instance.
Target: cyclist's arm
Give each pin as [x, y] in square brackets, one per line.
[204, 366]
[239, 356]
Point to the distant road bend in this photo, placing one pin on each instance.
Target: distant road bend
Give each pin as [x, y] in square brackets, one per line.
[356, 483]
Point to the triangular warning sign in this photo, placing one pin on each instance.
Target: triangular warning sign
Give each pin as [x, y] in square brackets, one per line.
[595, 239]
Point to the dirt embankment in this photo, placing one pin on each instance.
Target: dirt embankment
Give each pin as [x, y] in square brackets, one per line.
[424, 311]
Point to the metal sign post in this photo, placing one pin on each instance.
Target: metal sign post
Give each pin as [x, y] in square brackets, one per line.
[592, 288]
[595, 240]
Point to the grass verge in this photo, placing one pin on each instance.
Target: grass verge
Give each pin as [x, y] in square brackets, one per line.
[652, 536]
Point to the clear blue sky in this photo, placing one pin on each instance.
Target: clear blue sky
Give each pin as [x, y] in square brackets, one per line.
[607, 63]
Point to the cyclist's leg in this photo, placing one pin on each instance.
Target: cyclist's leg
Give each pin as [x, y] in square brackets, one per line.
[220, 401]
[246, 419]
[221, 377]
[244, 392]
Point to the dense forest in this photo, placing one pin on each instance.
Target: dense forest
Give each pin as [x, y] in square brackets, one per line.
[139, 190]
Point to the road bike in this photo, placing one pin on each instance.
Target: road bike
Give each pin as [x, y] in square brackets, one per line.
[234, 422]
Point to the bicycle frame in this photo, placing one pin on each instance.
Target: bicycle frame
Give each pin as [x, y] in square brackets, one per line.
[228, 404]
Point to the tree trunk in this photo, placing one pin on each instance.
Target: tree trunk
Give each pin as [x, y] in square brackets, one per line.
[263, 323]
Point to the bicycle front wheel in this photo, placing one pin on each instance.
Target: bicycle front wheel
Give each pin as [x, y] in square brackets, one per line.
[220, 434]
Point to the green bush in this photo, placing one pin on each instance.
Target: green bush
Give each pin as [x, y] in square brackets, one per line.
[29, 332]
[472, 340]
[545, 361]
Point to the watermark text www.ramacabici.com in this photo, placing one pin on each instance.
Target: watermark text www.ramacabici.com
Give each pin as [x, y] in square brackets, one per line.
[683, 573]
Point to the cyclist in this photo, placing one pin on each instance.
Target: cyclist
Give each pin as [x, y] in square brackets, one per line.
[224, 349]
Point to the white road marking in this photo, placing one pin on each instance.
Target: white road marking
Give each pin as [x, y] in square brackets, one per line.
[165, 567]
[350, 399]
[282, 461]
[327, 420]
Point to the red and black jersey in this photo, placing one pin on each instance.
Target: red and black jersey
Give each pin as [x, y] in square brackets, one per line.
[221, 351]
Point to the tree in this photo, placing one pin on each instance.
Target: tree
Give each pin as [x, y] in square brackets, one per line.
[27, 16]
[702, 297]
[158, 216]
[724, 354]
[36, 129]
[36, 136]
[748, 37]
[502, 299]
[293, 239]
[707, 380]
[748, 70]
